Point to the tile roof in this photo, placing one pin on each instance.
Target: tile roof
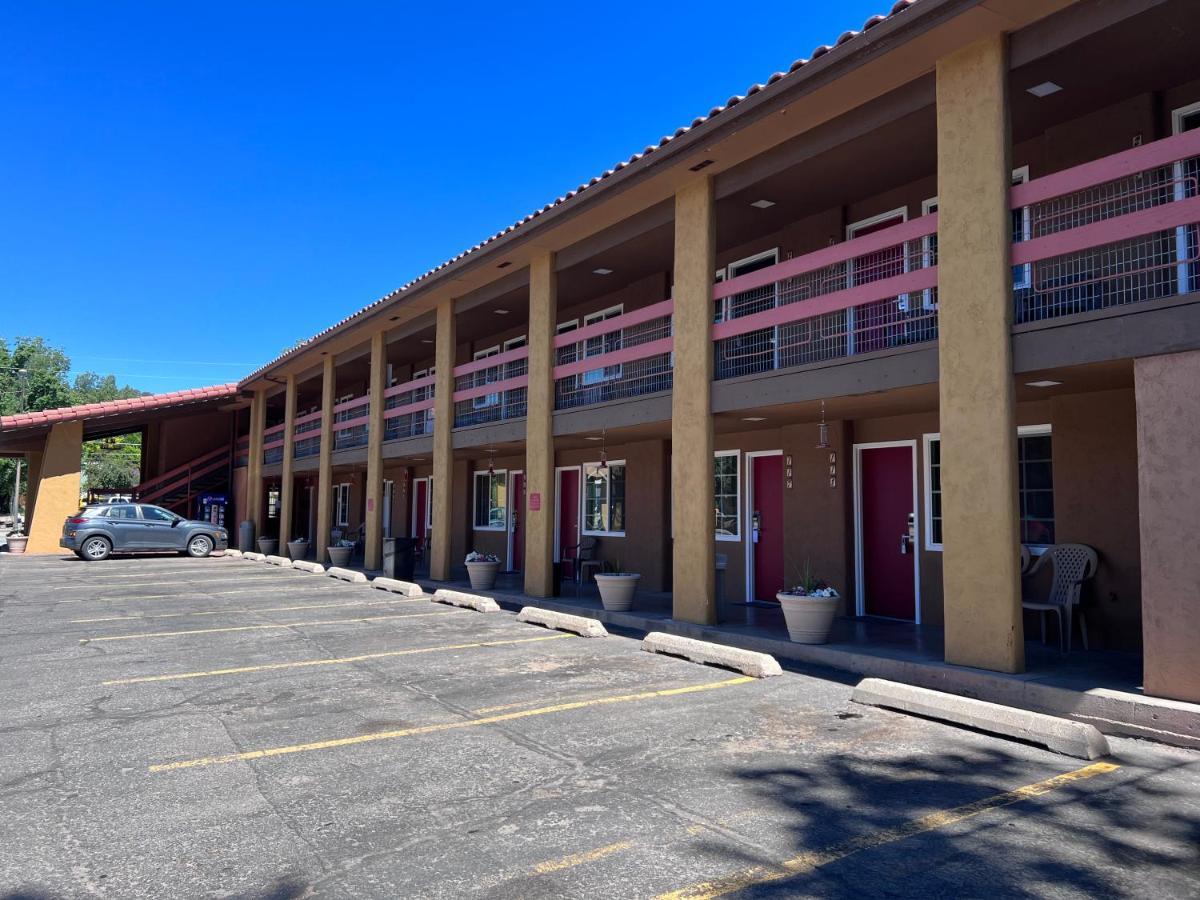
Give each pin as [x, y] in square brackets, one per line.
[898, 7]
[117, 407]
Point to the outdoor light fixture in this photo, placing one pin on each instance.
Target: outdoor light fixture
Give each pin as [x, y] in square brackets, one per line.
[491, 470]
[822, 431]
[500, 312]
[603, 451]
[754, 418]
[591, 437]
[1045, 89]
[763, 204]
[602, 271]
[1042, 384]
[426, 340]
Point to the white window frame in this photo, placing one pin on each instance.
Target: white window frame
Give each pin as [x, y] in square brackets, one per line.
[583, 474]
[1020, 176]
[728, 272]
[428, 479]
[389, 498]
[475, 500]
[483, 401]
[928, 206]
[602, 374]
[735, 538]
[1181, 270]
[851, 230]
[341, 504]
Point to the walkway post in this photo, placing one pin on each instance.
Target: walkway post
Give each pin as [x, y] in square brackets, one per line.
[258, 420]
[443, 445]
[325, 463]
[287, 489]
[373, 552]
[540, 502]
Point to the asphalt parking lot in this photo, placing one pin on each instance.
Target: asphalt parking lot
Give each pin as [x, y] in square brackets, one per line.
[220, 728]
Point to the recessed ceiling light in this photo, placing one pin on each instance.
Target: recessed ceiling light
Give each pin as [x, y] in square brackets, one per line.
[500, 312]
[763, 204]
[602, 271]
[426, 340]
[591, 438]
[1045, 89]
[1042, 384]
[754, 418]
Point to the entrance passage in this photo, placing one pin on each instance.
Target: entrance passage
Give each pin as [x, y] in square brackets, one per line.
[887, 509]
[766, 521]
[516, 523]
[568, 519]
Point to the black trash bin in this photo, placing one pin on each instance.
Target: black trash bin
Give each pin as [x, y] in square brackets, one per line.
[399, 558]
[556, 590]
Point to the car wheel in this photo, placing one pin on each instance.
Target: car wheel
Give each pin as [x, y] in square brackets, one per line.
[199, 546]
[95, 549]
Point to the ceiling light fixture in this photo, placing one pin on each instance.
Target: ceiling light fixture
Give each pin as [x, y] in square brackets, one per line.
[500, 312]
[426, 340]
[602, 271]
[1042, 384]
[591, 437]
[763, 204]
[1045, 89]
[754, 418]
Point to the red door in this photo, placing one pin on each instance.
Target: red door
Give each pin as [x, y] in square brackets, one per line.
[568, 518]
[420, 517]
[517, 522]
[767, 511]
[888, 560]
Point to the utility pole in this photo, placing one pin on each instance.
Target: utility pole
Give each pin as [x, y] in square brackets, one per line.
[22, 376]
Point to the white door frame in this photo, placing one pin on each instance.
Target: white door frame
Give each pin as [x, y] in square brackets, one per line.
[558, 470]
[748, 518]
[413, 517]
[859, 599]
[512, 500]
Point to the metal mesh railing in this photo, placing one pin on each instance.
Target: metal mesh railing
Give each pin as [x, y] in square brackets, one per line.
[908, 318]
[493, 407]
[1165, 263]
[355, 435]
[631, 378]
[272, 455]
[308, 440]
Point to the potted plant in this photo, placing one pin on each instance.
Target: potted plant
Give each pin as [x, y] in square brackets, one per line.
[17, 542]
[268, 546]
[616, 587]
[808, 609]
[482, 569]
[298, 549]
[339, 553]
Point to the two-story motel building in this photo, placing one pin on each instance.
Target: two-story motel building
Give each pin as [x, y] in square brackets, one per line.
[923, 297]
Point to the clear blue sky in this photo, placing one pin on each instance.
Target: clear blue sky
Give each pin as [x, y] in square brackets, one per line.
[187, 189]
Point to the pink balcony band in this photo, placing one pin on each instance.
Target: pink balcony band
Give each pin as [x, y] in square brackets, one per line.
[274, 429]
[270, 445]
[351, 424]
[883, 289]
[397, 411]
[500, 359]
[495, 387]
[352, 403]
[415, 385]
[617, 323]
[615, 358]
[308, 417]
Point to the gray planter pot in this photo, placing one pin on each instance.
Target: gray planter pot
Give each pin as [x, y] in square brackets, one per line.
[339, 556]
[17, 544]
[808, 619]
[483, 575]
[268, 546]
[616, 591]
[297, 549]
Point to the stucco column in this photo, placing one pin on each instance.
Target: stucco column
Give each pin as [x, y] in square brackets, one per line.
[443, 445]
[693, 578]
[539, 428]
[57, 486]
[373, 552]
[33, 474]
[981, 572]
[254, 465]
[287, 489]
[1168, 438]
[325, 461]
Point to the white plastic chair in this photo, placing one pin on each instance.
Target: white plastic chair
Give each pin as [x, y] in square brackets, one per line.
[1073, 564]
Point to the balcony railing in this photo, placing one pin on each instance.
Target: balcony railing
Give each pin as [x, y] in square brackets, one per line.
[350, 421]
[1119, 230]
[867, 294]
[273, 445]
[408, 409]
[494, 389]
[307, 436]
[622, 357]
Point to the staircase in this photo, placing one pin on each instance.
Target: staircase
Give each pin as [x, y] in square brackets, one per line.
[174, 490]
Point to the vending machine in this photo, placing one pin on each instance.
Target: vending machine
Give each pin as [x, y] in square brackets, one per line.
[212, 508]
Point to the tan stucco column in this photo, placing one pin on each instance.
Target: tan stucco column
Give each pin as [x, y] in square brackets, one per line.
[57, 486]
[692, 559]
[373, 552]
[1168, 444]
[287, 489]
[539, 428]
[325, 462]
[443, 447]
[33, 474]
[254, 465]
[981, 573]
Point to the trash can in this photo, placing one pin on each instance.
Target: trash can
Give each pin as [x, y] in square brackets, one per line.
[556, 588]
[399, 558]
[246, 536]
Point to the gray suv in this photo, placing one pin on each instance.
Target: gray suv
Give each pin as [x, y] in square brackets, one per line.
[97, 531]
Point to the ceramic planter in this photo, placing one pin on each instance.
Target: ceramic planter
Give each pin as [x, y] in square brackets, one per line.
[268, 546]
[808, 619]
[17, 544]
[339, 556]
[483, 574]
[616, 591]
[297, 549]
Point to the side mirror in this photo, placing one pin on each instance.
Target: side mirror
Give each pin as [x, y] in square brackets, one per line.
[175, 522]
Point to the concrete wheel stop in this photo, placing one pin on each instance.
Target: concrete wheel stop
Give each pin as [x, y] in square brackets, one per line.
[466, 601]
[748, 662]
[558, 621]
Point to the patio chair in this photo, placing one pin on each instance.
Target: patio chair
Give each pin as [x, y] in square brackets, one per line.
[582, 557]
[1073, 564]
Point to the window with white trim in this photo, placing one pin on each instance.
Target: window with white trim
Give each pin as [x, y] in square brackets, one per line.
[486, 376]
[754, 300]
[727, 494]
[605, 343]
[604, 498]
[491, 500]
[1035, 487]
[341, 505]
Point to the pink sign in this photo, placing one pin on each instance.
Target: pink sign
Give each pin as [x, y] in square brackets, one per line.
[370, 504]
[535, 501]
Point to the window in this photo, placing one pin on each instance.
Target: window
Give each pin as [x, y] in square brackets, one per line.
[486, 376]
[726, 505]
[154, 514]
[929, 250]
[341, 505]
[1035, 487]
[604, 498]
[491, 501]
[753, 300]
[273, 503]
[1022, 275]
[1186, 175]
[123, 512]
[605, 343]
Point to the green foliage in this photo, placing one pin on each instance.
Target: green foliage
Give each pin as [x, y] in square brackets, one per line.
[112, 464]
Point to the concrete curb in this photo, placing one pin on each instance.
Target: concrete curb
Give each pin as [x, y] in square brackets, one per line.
[580, 625]
[407, 588]
[232, 554]
[304, 565]
[467, 601]
[279, 561]
[346, 575]
[748, 662]
[1059, 735]
[253, 556]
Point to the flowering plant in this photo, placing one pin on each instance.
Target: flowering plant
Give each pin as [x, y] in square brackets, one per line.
[476, 556]
[811, 586]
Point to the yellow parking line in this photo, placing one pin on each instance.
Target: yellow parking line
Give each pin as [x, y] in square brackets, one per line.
[177, 596]
[158, 634]
[446, 726]
[578, 859]
[814, 859]
[266, 667]
[248, 609]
